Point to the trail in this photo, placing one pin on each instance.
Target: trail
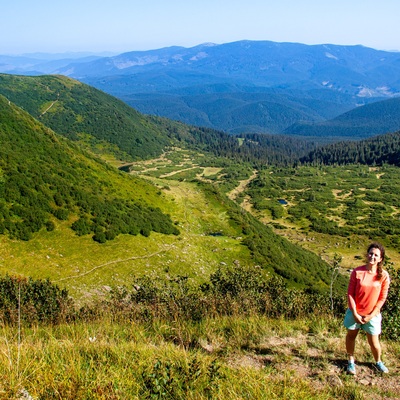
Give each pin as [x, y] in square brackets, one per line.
[110, 263]
[233, 194]
[50, 106]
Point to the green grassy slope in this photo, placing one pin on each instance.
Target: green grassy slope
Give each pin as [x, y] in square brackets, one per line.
[48, 184]
[80, 112]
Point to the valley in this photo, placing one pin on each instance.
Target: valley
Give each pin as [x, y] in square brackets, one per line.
[158, 260]
[330, 193]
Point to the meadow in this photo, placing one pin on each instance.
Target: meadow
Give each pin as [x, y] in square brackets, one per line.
[159, 318]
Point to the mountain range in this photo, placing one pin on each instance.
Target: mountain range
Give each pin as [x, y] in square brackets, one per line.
[246, 86]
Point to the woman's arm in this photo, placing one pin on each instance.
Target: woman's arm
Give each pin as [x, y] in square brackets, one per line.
[381, 299]
[351, 294]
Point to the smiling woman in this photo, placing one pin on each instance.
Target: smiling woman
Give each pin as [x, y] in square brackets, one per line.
[367, 292]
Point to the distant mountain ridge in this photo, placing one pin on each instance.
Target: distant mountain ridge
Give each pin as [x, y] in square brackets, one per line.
[244, 86]
[357, 70]
[247, 86]
[362, 122]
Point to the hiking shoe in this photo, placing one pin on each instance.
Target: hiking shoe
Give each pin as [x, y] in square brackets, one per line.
[380, 366]
[351, 368]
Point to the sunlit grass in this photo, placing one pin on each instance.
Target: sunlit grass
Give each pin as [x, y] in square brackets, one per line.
[86, 267]
[225, 358]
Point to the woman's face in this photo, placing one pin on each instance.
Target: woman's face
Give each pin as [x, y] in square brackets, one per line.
[374, 256]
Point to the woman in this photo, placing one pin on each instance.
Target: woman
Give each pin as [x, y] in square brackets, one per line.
[366, 294]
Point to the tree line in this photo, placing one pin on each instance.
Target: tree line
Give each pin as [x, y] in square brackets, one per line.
[378, 150]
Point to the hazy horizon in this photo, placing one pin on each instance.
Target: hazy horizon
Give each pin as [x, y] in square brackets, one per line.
[128, 25]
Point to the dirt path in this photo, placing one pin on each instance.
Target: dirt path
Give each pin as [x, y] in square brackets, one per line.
[163, 250]
[319, 360]
[233, 194]
[51, 105]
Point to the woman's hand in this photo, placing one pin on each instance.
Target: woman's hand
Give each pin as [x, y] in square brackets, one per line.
[358, 318]
[366, 319]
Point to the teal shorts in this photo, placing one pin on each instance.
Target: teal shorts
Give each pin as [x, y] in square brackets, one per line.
[373, 327]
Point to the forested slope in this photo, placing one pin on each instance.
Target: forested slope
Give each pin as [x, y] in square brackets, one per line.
[79, 112]
[362, 122]
[106, 125]
[377, 150]
[44, 177]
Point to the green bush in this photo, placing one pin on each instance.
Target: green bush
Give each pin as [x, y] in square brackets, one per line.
[33, 301]
[231, 290]
[391, 325]
[172, 380]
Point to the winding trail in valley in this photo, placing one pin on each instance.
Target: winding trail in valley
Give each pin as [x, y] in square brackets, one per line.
[233, 194]
[112, 262]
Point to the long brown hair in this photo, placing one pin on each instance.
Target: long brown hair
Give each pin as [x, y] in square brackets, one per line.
[376, 245]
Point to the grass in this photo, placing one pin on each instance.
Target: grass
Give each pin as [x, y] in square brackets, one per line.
[230, 358]
[84, 267]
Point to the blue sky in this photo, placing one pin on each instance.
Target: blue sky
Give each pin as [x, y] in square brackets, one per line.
[29, 26]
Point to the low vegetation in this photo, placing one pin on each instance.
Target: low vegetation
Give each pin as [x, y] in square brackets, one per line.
[342, 202]
[242, 334]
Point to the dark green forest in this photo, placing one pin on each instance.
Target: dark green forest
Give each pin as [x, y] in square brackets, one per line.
[45, 178]
[378, 150]
[253, 148]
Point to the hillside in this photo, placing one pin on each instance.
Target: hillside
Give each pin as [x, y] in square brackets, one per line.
[362, 122]
[377, 150]
[84, 114]
[229, 358]
[45, 178]
[108, 127]
[50, 186]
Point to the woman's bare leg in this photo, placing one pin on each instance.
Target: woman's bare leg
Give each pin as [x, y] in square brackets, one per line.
[351, 343]
[375, 345]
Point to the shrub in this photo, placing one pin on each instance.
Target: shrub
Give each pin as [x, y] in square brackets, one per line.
[231, 290]
[391, 327]
[173, 380]
[34, 301]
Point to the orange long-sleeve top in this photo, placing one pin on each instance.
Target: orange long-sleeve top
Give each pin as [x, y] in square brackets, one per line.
[365, 292]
